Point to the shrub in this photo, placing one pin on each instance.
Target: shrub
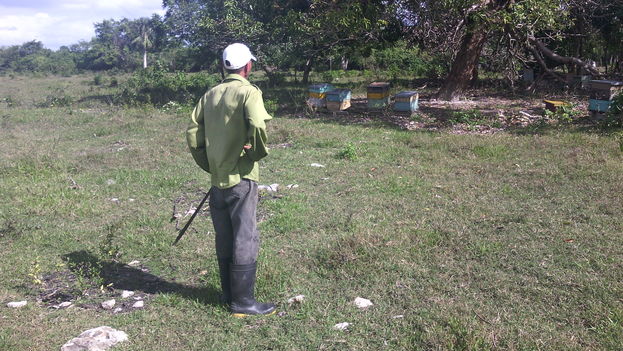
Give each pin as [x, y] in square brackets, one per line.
[469, 117]
[58, 98]
[565, 113]
[348, 153]
[271, 106]
[402, 59]
[156, 86]
[97, 79]
[614, 118]
[113, 82]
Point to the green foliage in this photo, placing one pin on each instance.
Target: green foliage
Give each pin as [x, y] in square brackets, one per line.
[34, 271]
[57, 98]
[271, 106]
[348, 153]
[615, 113]
[472, 119]
[402, 59]
[113, 82]
[97, 79]
[564, 113]
[87, 275]
[34, 58]
[156, 86]
[109, 249]
[466, 117]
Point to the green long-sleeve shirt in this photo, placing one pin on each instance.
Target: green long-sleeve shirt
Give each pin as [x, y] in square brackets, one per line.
[228, 117]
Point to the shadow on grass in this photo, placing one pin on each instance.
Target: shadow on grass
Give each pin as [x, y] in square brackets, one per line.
[130, 278]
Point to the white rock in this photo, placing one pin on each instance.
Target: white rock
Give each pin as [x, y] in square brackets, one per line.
[134, 263]
[317, 165]
[398, 316]
[17, 304]
[109, 304]
[117, 310]
[190, 212]
[297, 299]
[96, 339]
[110, 181]
[62, 305]
[292, 186]
[341, 326]
[270, 188]
[139, 304]
[363, 303]
[126, 293]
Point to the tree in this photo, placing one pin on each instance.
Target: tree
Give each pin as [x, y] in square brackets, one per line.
[142, 40]
[518, 26]
[282, 33]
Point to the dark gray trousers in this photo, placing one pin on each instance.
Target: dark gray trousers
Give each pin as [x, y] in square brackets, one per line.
[233, 212]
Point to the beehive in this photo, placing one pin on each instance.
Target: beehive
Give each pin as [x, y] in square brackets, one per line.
[317, 94]
[378, 95]
[406, 101]
[599, 105]
[319, 91]
[338, 99]
[604, 89]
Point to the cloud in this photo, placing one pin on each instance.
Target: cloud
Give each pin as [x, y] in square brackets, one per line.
[65, 22]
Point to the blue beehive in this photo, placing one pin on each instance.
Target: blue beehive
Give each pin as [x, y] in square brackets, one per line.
[338, 95]
[406, 101]
[317, 95]
[598, 105]
[319, 90]
[338, 100]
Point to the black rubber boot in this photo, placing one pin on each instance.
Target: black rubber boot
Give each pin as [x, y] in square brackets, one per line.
[223, 269]
[242, 285]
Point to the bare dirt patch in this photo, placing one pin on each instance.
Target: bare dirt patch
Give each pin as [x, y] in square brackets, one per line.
[476, 115]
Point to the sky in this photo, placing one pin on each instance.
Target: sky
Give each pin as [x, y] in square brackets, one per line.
[64, 22]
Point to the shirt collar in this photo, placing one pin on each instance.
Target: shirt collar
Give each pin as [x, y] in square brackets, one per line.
[232, 76]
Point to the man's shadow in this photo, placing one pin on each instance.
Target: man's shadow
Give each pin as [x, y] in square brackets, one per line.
[131, 278]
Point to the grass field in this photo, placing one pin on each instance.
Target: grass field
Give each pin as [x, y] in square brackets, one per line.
[511, 241]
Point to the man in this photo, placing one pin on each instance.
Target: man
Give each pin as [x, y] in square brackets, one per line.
[227, 138]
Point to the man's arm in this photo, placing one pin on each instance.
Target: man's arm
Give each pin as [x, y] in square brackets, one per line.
[195, 137]
[256, 114]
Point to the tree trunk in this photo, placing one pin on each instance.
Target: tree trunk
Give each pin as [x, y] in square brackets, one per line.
[271, 73]
[464, 65]
[145, 50]
[308, 66]
[344, 63]
[474, 81]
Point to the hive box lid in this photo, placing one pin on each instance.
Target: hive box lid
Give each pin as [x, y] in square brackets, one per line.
[613, 83]
[378, 86]
[320, 88]
[406, 94]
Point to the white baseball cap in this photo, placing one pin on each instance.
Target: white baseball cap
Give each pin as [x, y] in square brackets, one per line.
[237, 55]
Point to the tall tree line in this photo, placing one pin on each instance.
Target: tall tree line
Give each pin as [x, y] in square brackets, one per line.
[457, 38]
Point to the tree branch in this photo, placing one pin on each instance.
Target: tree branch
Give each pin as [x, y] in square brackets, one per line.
[538, 45]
